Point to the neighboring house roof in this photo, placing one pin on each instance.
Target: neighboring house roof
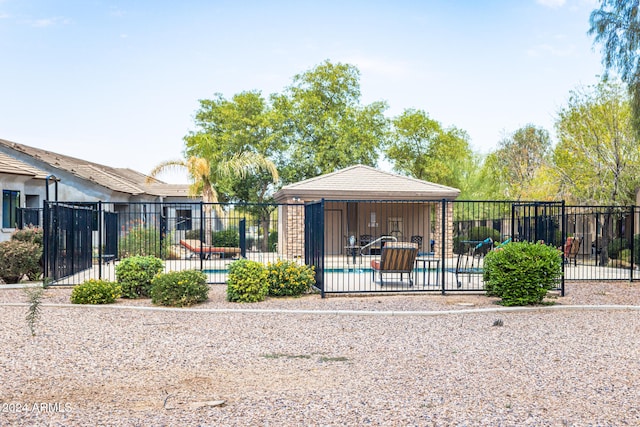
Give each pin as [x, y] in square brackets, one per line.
[13, 166]
[117, 179]
[361, 182]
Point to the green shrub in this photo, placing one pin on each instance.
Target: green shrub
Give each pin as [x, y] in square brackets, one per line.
[179, 288]
[95, 291]
[229, 238]
[287, 278]
[521, 273]
[247, 281]
[636, 249]
[625, 255]
[134, 274]
[615, 246]
[18, 259]
[29, 234]
[143, 241]
[273, 241]
[192, 234]
[35, 236]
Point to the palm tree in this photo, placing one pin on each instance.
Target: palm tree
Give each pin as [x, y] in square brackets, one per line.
[203, 176]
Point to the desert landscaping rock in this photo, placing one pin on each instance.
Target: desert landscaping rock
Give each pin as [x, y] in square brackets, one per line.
[114, 366]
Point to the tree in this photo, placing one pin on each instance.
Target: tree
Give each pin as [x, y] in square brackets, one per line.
[238, 129]
[202, 179]
[518, 161]
[322, 125]
[616, 25]
[236, 136]
[421, 148]
[597, 157]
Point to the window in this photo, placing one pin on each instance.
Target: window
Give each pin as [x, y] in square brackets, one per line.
[183, 219]
[10, 203]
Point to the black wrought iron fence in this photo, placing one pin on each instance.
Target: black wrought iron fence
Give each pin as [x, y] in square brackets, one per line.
[607, 242]
[344, 239]
[200, 236]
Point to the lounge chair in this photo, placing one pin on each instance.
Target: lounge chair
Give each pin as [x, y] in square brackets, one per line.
[396, 257]
[571, 249]
[197, 247]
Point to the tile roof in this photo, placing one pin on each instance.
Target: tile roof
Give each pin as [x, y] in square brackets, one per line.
[116, 179]
[15, 167]
[362, 182]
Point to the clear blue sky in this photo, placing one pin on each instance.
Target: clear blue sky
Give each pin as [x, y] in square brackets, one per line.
[117, 82]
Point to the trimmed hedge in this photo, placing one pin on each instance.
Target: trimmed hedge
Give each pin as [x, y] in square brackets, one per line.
[521, 273]
[95, 291]
[247, 281]
[134, 274]
[287, 278]
[19, 258]
[179, 288]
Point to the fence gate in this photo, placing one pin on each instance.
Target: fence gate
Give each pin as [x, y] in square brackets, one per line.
[67, 239]
[538, 222]
[314, 240]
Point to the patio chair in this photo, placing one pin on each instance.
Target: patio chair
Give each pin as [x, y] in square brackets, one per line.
[396, 257]
[417, 240]
[197, 247]
[571, 249]
[365, 239]
[471, 262]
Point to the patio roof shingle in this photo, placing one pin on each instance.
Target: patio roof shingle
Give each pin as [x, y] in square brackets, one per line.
[362, 182]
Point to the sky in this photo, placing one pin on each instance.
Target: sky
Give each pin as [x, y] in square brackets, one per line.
[118, 82]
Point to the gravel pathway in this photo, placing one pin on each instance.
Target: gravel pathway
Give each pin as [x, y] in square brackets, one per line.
[139, 367]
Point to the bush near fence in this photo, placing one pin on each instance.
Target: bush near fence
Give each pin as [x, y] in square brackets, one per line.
[521, 273]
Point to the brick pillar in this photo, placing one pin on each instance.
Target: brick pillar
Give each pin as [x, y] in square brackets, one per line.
[437, 235]
[291, 230]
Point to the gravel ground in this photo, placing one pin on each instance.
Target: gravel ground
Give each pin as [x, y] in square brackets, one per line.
[127, 365]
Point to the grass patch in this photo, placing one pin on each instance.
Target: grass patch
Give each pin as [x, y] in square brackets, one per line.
[333, 359]
[287, 356]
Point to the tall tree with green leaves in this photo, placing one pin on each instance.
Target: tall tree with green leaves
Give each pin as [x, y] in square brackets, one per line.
[322, 124]
[420, 147]
[238, 128]
[597, 157]
[235, 136]
[616, 26]
[518, 160]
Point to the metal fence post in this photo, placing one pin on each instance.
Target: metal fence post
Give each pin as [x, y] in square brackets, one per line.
[242, 231]
[563, 233]
[632, 208]
[443, 224]
[100, 240]
[202, 231]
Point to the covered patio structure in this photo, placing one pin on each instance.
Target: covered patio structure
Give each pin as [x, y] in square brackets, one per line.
[363, 208]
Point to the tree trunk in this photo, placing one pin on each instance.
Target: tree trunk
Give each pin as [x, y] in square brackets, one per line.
[606, 237]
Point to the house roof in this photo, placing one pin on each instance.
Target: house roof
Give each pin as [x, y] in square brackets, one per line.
[15, 167]
[117, 179]
[361, 182]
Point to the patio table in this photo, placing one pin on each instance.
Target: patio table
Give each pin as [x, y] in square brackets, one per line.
[426, 262]
[352, 250]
